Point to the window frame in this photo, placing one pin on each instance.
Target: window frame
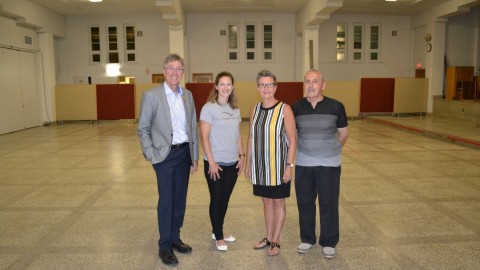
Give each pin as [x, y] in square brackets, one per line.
[112, 39]
[342, 50]
[127, 43]
[249, 39]
[378, 41]
[355, 41]
[235, 49]
[272, 40]
[94, 52]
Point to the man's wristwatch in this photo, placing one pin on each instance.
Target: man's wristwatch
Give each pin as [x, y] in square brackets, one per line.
[290, 164]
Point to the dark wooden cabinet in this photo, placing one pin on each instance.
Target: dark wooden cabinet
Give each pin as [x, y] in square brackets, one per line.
[459, 83]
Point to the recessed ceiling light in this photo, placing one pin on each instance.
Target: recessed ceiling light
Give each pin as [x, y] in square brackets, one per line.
[391, 0]
[101, 1]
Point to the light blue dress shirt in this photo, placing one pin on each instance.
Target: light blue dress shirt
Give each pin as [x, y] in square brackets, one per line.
[177, 114]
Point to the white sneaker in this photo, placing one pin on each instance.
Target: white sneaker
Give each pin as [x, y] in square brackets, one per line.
[226, 239]
[328, 252]
[304, 247]
[221, 247]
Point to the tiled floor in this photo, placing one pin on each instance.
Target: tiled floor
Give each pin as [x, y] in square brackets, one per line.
[80, 196]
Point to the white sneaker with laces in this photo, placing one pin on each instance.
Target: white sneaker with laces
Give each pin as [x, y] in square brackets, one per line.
[328, 252]
[226, 239]
[304, 247]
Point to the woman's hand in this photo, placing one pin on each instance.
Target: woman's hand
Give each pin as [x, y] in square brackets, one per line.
[240, 163]
[287, 175]
[213, 170]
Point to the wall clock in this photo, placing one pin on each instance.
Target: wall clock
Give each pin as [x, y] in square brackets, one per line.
[428, 47]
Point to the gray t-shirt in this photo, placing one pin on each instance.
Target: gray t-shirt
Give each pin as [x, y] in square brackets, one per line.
[224, 131]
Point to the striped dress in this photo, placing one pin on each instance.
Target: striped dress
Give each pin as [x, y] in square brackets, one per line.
[269, 145]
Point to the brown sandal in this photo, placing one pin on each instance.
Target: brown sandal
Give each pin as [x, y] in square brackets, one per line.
[262, 244]
[271, 252]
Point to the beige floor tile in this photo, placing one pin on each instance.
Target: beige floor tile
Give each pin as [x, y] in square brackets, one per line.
[100, 260]
[425, 156]
[439, 256]
[57, 196]
[85, 198]
[410, 220]
[25, 228]
[105, 228]
[405, 169]
[129, 195]
[372, 189]
[438, 187]
[368, 258]
[469, 210]
[7, 259]
[91, 176]
[29, 176]
[357, 170]
[11, 192]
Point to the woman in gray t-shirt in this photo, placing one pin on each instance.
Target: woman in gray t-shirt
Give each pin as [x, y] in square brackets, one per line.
[223, 151]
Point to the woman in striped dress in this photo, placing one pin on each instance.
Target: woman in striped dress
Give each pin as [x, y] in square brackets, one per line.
[270, 155]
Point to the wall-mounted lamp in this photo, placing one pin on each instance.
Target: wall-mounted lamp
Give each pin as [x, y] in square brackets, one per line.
[113, 70]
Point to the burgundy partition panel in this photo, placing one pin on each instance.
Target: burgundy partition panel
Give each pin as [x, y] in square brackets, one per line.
[376, 95]
[115, 101]
[200, 92]
[289, 92]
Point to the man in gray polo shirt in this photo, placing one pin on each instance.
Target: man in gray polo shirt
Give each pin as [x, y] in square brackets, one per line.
[322, 131]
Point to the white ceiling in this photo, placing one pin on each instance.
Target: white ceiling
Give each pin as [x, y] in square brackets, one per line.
[120, 7]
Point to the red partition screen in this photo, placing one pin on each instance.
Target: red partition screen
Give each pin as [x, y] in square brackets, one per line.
[115, 101]
[289, 92]
[200, 92]
[376, 95]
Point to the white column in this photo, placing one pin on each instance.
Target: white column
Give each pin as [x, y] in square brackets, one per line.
[177, 45]
[310, 48]
[435, 60]
[47, 76]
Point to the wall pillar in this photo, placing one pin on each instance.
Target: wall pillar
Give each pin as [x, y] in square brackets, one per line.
[46, 78]
[310, 48]
[435, 65]
[177, 45]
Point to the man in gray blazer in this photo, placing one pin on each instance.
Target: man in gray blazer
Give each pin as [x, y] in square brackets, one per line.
[167, 130]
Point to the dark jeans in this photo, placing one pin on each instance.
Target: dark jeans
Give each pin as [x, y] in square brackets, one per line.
[220, 191]
[324, 182]
[172, 180]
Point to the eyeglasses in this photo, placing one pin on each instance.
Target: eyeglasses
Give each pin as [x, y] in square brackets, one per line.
[263, 85]
[171, 69]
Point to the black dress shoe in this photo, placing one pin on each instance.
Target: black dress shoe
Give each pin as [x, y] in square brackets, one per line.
[182, 247]
[168, 257]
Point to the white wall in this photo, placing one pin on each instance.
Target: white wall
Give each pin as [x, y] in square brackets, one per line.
[461, 39]
[396, 57]
[74, 51]
[419, 46]
[35, 16]
[208, 49]
[12, 35]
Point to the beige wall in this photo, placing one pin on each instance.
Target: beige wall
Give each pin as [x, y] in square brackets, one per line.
[347, 92]
[76, 102]
[139, 89]
[247, 96]
[411, 95]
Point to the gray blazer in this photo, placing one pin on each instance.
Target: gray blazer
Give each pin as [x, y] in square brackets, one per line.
[155, 129]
